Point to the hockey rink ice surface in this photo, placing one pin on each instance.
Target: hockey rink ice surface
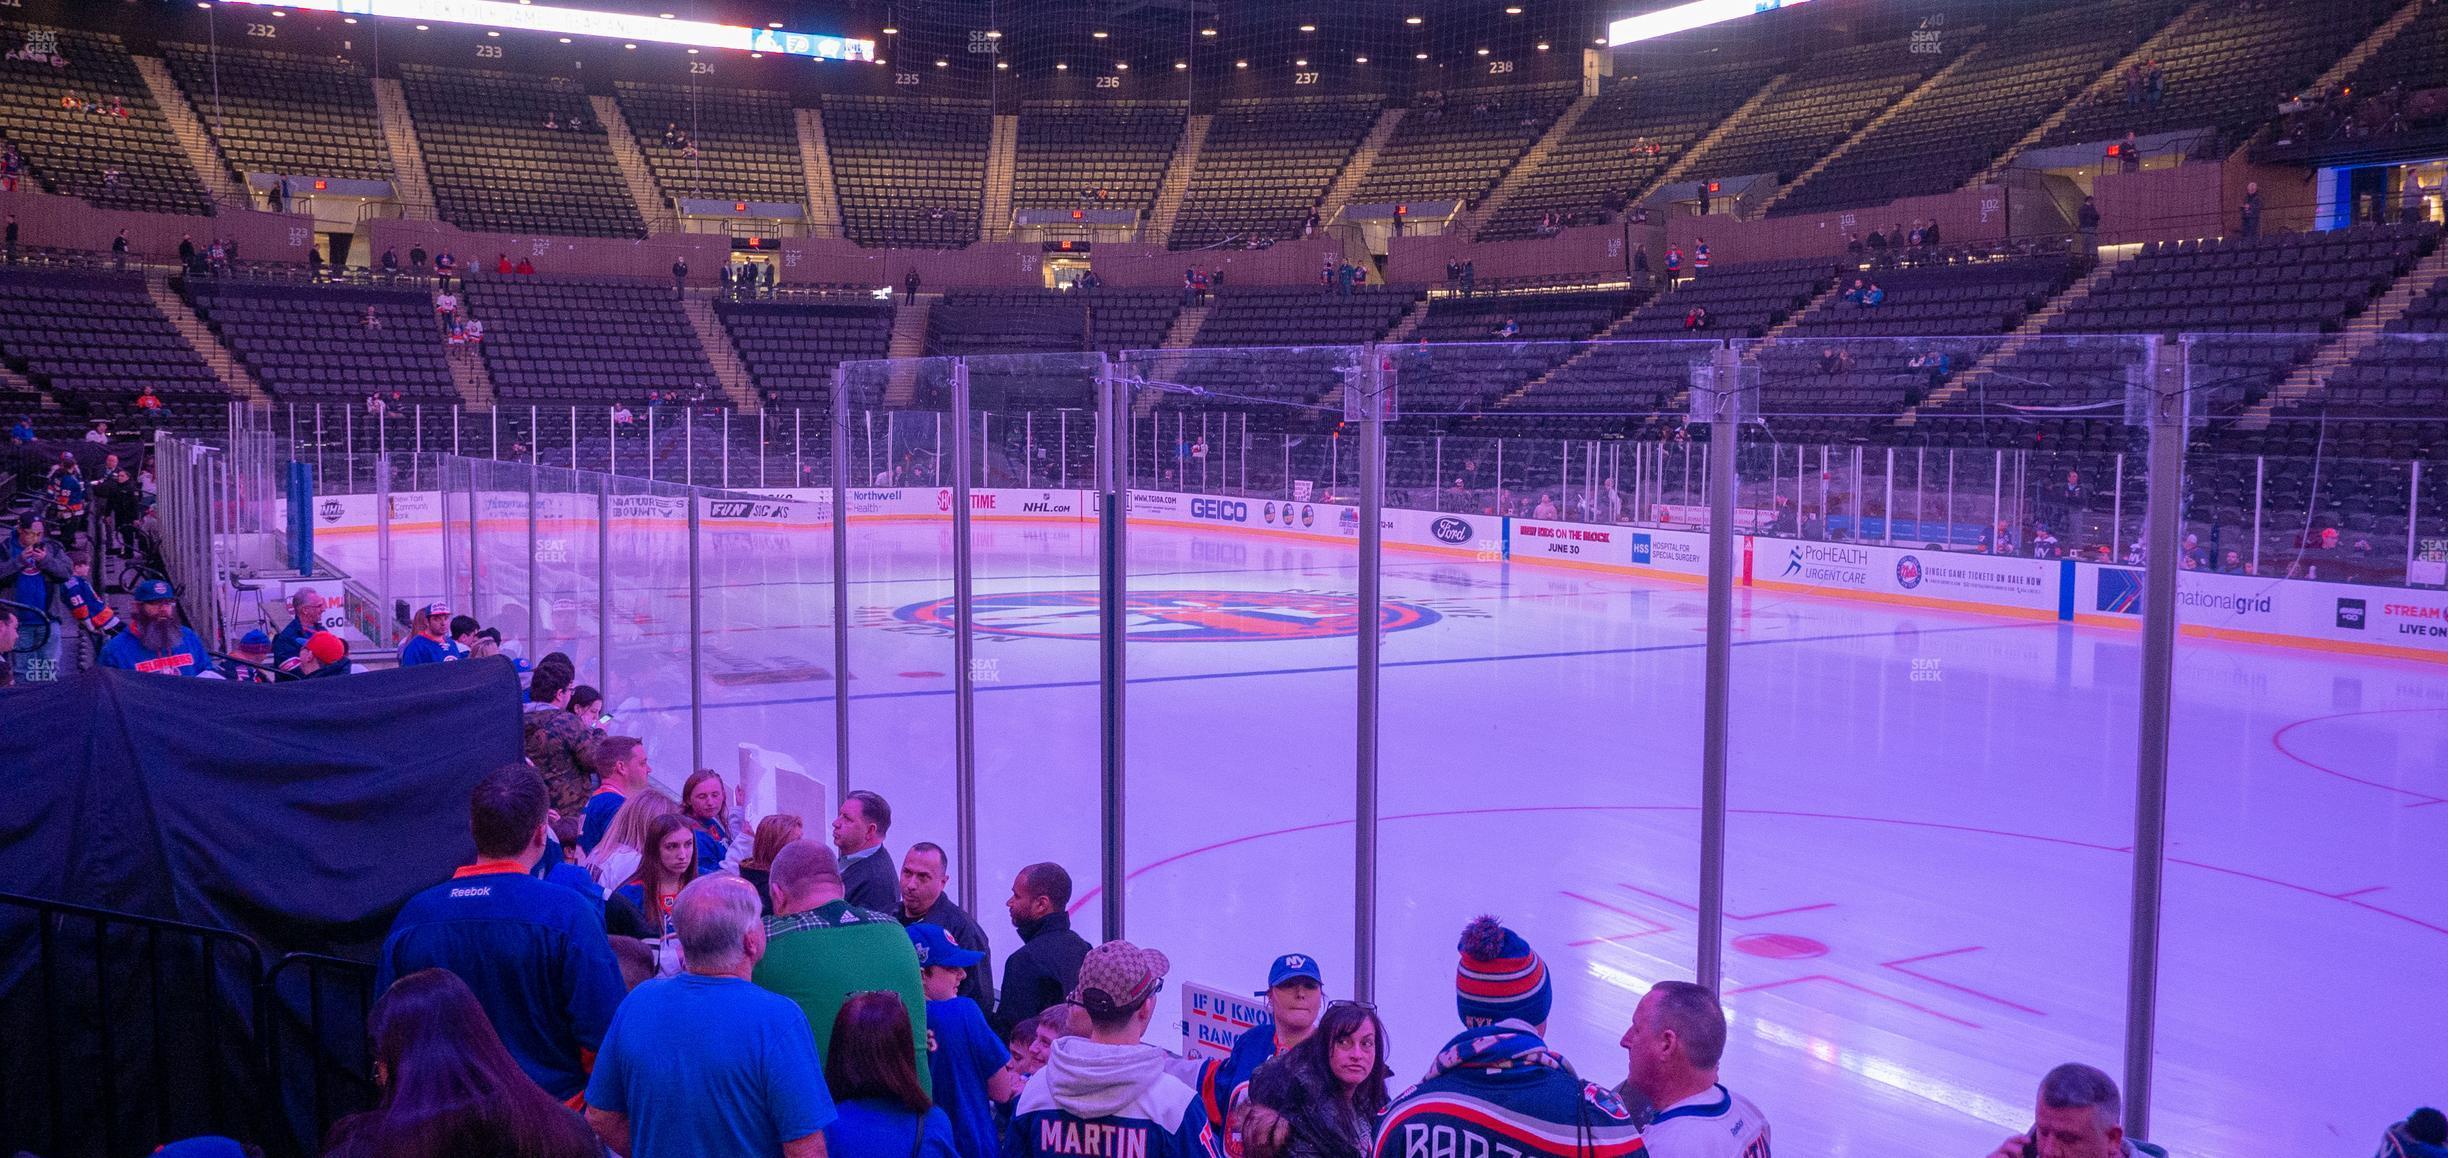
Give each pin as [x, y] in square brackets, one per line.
[1931, 823]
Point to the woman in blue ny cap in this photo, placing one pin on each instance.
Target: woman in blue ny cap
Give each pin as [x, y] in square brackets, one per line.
[1295, 993]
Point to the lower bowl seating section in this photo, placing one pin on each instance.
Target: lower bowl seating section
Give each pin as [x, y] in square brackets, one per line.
[1846, 370]
[745, 148]
[2006, 87]
[1968, 299]
[312, 343]
[2289, 284]
[291, 115]
[1281, 326]
[911, 171]
[96, 340]
[1623, 143]
[1467, 362]
[496, 167]
[1742, 301]
[2391, 401]
[65, 123]
[1047, 321]
[1814, 108]
[2262, 302]
[1265, 165]
[1096, 154]
[791, 348]
[2226, 65]
[1457, 148]
[563, 340]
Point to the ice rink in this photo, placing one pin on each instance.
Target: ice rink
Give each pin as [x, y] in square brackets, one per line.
[1929, 867]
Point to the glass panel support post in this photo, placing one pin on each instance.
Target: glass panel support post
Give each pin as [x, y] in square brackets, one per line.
[964, 645]
[2166, 400]
[1721, 388]
[1369, 410]
[1113, 627]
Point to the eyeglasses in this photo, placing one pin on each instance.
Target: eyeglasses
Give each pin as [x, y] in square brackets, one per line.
[1362, 1005]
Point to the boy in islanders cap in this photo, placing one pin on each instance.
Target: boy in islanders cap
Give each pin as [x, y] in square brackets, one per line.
[1497, 1087]
[1109, 1092]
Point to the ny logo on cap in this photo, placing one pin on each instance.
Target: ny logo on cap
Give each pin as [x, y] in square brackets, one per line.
[1295, 961]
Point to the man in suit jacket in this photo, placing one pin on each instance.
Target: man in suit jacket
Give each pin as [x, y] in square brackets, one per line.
[869, 879]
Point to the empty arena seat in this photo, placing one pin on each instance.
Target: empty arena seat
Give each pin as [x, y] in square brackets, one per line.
[308, 343]
[272, 112]
[96, 341]
[1636, 129]
[1463, 361]
[745, 146]
[911, 171]
[1456, 145]
[495, 167]
[2004, 88]
[562, 340]
[115, 162]
[1102, 154]
[2226, 68]
[791, 348]
[1817, 104]
[1266, 164]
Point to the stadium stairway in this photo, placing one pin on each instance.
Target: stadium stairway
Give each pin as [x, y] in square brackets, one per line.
[225, 366]
[1159, 227]
[1002, 163]
[1768, 338]
[1683, 164]
[2105, 84]
[652, 207]
[1356, 170]
[728, 369]
[1468, 222]
[470, 378]
[1181, 335]
[415, 190]
[1399, 333]
[909, 333]
[2019, 337]
[823, 203]
[211, 168]
[1613, 332]
[2360, 334]
[1942, 76]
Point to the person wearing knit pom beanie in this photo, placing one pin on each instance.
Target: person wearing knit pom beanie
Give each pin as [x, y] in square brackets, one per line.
[1496, 1087]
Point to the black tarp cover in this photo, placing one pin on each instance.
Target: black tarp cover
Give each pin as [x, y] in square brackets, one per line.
[300, 814]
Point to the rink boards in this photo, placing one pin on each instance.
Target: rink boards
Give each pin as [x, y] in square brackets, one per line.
[2398, 622]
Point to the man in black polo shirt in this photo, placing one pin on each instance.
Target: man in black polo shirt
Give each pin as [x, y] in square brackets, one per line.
[923, 902]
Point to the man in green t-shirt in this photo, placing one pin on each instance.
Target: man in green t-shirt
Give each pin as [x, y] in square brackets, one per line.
[819, 949]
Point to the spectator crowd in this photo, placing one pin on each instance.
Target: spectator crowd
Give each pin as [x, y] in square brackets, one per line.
[619, 969]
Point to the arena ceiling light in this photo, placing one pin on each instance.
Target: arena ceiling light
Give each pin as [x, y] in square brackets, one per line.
[662, 29]
[1685, 17]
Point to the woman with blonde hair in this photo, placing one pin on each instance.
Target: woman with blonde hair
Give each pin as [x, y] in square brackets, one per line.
[771, 834]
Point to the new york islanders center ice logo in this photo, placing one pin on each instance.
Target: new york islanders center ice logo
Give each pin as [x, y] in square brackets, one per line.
[1194, 616]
